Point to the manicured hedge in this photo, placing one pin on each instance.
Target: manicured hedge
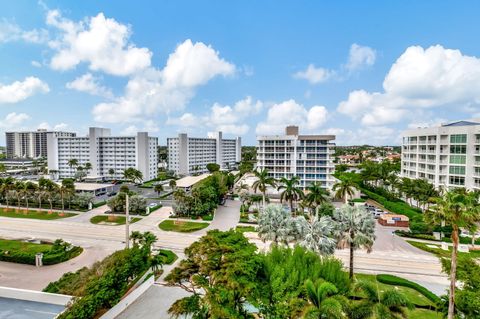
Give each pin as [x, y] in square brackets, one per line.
[169, 255]
[397, 281]
[408, 234]
[101, 203]
[49, 257]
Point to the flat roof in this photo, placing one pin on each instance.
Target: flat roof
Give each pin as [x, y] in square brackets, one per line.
[24, 309]
[90, 186]
[189, 181]
[392, 216]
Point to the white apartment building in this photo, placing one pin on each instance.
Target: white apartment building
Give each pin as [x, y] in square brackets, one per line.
[30, 144]
[447, 155]
[190, 155]
[104, 152]
[310, 157]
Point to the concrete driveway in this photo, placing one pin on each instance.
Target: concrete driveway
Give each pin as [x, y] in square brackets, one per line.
[226, 217]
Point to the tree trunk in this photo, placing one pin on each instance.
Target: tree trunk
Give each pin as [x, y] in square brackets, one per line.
[291, 205]
[63, 204]
[263, 198]
[453, 273]
[351, 260]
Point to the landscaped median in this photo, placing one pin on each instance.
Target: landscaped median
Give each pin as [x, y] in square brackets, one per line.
[182, 226]
[33, 214]
[22, 252]
[112, 220]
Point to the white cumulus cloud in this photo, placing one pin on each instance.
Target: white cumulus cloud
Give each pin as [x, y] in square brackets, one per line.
[21, 90]
[14, 120]
[292, 113]
[314, 75]
[10, 32]
[89, 84]
[420, 78]
[103, 43]
[360, 56]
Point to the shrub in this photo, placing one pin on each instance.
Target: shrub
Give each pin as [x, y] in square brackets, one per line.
[207, 217]
[169, 255]
[409, 234]
[397, 281]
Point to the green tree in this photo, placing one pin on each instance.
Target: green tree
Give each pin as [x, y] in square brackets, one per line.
[133, 175]
[72, 163]
[158, 188]
[276, 224]
[316, 195]
[111, 172]
[220, 270]
[355, 228]
[317, 234]
[325, 301]
[66, 189]
[172, 183]
[344, 189]
[456, 208]
[290, 191]
[387, 304]
[213, 167]
[263, 181]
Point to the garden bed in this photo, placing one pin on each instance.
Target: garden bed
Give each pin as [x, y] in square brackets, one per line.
[22, 252]
[181, 226]
[33, 214]
[112, 220]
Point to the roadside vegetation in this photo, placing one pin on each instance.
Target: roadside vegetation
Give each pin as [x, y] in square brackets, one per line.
[181, 226]
[100, 287]
[282, 283]
[33, 214]
[22, 252]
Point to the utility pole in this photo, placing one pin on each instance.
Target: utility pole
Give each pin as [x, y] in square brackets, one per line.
[127, 217]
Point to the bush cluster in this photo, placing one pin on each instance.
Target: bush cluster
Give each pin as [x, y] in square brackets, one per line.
[169, 255]
[53, 256]
[397, 281]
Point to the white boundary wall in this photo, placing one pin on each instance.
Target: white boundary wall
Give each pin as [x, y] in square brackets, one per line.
[129, 299]
[32, 295]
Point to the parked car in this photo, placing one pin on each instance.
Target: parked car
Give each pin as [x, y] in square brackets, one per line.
[108, 211]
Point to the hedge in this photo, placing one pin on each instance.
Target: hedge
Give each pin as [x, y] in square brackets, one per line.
[408, 234]
[397, 281]
[101, 203]
[49, 257]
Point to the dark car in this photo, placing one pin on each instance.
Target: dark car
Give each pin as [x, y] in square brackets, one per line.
[108, 211]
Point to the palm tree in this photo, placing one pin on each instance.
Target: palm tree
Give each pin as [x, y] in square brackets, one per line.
[18, 187]
[6, 187]
[316, 195]
[344, 188]
[157, 262]
[376, 304]
[28, 189]
[147, 240]
[325, 301]
[88, 167]
[136, 236]
[317, 235]
[355, 228]
[291, 192]
[263, 181]
[66, 189]
[276, 224]
[158, 188]
[72, 163]
[172, 184]
[457, 208]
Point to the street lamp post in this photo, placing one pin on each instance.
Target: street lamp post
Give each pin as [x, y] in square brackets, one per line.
[127, 230]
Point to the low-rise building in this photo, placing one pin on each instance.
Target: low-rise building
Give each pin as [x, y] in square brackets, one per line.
[190, 155]
[310, 157]
[108, 155]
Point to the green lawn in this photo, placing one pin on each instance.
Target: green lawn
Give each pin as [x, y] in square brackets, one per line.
[181, 226]
[423, 314]
[119, 220]
[169, 256]
[34, 214]
[24, 247]
[413, 295]
[440, 252]
[244, 229]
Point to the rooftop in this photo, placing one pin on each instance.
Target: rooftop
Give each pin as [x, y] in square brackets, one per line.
[189, 181]
[88, 187]
[461, 123]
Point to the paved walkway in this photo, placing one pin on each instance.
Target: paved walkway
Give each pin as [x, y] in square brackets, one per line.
[226, 217]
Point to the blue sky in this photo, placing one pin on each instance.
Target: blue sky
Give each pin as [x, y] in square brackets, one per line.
[364, 71]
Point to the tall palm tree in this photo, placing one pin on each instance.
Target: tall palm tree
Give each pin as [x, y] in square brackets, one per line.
[88, 167]
[316, 195]
[457, 208]
[66, 189]
[72, 163]
[344, 188]
[325, 301]
[6, 187]
[172, 184]
[156, 262]
[376, 304]
[276, 224]
[28, 189]
[111, 172]
[18, 187]
[135, 236]
[355, 228]
[158, 188]
[263, 181]
[290, 191]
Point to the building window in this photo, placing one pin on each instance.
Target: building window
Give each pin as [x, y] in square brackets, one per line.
[458, 170]
[457, 180]
[457, 159]
[458, 138]
[458, 149]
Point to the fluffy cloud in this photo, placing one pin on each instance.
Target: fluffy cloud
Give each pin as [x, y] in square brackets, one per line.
[225, 118]
[56, 127]
[420, 78]
[10, 32]
[89, 84]
[13, 120]
[291, 113]
[101, 42]
[314, 75]
[148, 126]
[189, 66]
[359, 57]
[21, 90]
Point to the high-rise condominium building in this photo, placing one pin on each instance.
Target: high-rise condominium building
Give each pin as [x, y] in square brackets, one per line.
[447, 155]
[104, 152]
[307, 156]
[190, 155]
[30, 144]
